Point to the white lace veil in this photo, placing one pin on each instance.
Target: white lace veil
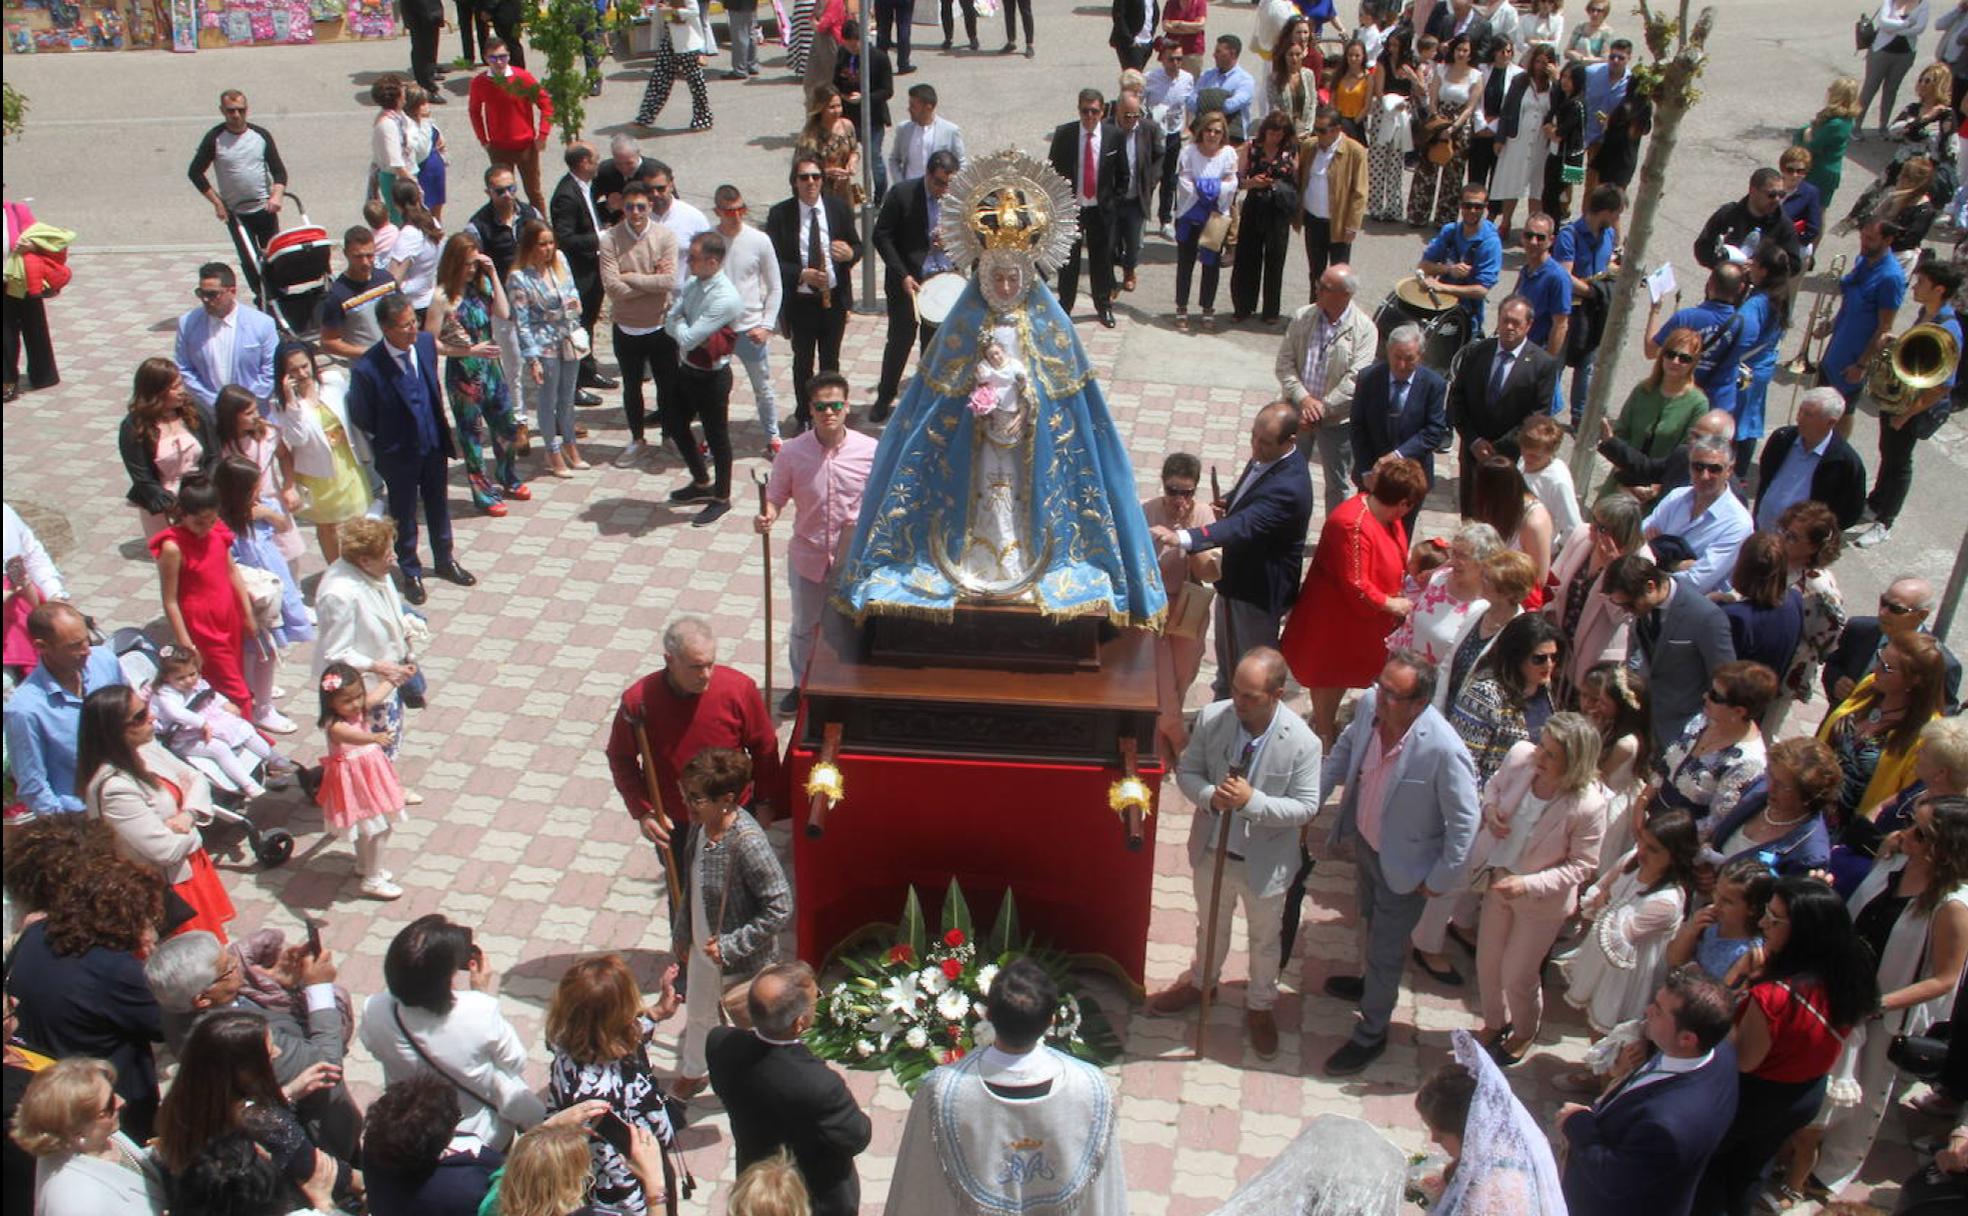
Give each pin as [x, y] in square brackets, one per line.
[1506, 1168]
[1337, 1166]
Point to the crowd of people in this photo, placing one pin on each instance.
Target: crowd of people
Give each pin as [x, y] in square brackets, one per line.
[1554, 732]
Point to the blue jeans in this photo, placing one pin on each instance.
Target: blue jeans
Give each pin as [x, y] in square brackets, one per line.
[758, 367]
[1582, 388]
[552, 400]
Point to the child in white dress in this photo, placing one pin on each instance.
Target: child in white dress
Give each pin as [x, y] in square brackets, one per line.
[195, 722]
[1635, 911]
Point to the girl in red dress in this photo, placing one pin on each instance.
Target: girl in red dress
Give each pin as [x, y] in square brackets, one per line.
[1336, 638]
[204, 597]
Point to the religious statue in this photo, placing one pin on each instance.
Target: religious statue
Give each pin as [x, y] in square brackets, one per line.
[1001, 478]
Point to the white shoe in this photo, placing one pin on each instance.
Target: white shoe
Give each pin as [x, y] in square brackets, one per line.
[272, 719]
[278, 693]
[1167, 233]
[412, 798]
[1875, 534]
[630, 453]
[380, 887]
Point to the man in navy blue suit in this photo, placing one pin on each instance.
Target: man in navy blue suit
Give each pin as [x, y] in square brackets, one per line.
[1400, 411]
[1641, 1148]
[394, 400]
[1261, 529]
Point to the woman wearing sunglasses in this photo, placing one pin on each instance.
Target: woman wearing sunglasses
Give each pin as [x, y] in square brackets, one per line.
[1721, 751]
[1179, 652]
[1661, 408]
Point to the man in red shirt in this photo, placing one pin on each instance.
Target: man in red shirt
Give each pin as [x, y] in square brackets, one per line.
[691, 704]
[511, 115]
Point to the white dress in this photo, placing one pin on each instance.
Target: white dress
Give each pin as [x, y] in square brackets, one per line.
[1520, 166]
[1619, 965]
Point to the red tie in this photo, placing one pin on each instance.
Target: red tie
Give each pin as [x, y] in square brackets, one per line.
[1086, 168]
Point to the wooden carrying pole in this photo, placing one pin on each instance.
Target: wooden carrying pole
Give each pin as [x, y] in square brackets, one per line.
[1210, 925]
[670, 875]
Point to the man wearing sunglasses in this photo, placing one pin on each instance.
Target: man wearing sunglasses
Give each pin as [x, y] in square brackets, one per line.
[639, 263]
[1720, 325]
[1736, 229]
[224, 340]
[252, 181]
[511, 116]
[1466, 258]
[818, 242]
[1706, 516]
[1904, 609]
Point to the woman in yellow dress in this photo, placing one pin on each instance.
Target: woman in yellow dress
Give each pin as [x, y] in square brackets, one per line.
[325, 459]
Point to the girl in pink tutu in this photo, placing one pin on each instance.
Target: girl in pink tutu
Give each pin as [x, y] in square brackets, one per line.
[359, 791]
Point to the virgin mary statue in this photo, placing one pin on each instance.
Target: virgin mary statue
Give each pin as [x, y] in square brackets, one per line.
[1001, 478]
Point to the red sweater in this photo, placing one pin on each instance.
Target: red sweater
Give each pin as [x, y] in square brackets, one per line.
[730, 713]
[502, 110]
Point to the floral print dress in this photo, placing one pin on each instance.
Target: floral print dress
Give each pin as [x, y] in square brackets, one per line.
[1824, 622]
[481, 403]
[630, 1088]
[1708, 785]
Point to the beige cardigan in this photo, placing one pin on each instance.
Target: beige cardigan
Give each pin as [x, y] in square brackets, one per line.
[640, 292]
[1561, 856]
[137, 812]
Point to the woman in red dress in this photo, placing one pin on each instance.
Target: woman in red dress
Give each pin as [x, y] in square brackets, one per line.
[1336, 638]
[204, 597]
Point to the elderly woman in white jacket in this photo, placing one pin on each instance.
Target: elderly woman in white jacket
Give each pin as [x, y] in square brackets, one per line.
[361, 621]
[153, 801]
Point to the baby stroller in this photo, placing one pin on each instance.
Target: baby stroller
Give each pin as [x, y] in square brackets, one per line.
[295, 270]
[137, 655]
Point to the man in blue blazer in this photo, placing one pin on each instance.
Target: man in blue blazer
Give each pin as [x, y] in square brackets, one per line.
[1400, 411]
[394, 399]
[1641, 1148]
[1261, 529]
[223, 341]
[1410, 814]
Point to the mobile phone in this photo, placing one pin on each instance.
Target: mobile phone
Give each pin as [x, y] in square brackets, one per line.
[314, 936]
[614, 1131]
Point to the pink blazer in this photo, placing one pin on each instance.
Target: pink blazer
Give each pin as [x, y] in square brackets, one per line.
[1602, 628]
[1562, 853]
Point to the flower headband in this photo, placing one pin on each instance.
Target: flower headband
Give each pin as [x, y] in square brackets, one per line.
[1624, 688]
[332, 682]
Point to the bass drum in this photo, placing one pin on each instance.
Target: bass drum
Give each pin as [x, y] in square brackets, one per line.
[1444, 327]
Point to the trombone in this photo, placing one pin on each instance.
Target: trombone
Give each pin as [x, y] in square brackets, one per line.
[1802, 364]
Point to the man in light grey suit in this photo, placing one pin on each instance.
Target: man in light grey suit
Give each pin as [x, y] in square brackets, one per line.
[1410, 813]
[1679, 637]
[1258, 762]
[911, 144]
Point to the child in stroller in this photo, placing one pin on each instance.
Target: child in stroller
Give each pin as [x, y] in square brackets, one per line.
[196, 722]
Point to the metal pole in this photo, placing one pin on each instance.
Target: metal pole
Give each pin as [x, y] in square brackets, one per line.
[868, 259]
[1951, 598]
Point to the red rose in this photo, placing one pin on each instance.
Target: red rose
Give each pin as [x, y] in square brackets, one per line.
[952, 969]
[953, 1055]
[954, 1031]
[954, 938]
[901, 953]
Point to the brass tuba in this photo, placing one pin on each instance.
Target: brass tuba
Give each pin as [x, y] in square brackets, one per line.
[1910, 364]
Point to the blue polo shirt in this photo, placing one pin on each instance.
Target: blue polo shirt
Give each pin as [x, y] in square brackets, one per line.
[1549, 289]
[1602, 93]
[1869, 288]
[44, 723]
[1586, 254]
[1722, 345]
[1483, 252]
[1952, 323]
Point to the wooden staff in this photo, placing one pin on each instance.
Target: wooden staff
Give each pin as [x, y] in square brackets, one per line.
[1210, 924]
[668, 854]
[765, 551]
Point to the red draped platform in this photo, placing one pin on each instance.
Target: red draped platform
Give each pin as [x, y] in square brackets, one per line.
[970, 755]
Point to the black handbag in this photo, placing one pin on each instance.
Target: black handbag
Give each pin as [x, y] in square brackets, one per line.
[1920, 1055]
[1865, 32]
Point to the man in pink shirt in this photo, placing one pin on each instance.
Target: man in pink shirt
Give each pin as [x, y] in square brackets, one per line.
[824, 472]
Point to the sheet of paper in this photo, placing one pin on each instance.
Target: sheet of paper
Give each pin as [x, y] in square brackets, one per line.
[1660, 284]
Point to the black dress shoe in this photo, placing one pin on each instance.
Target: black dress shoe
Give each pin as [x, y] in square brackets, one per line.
[880, 411]
[584, 397]
[691, 493]
[1106, 316]
[1345, 987]
[413, 589]
[1447, 975]
[713, 511]
[1354, 1057]
[452, 572]
[600, 381]
[790, 703]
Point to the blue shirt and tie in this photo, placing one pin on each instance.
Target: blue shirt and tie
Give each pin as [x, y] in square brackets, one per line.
[44, 722]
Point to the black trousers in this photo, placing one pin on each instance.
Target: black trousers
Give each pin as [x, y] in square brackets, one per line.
[1012, 9]
[408, 484]
[1767, 1112]
[1099, 247]
[816, 334]
[904, 331]
[1482, 163]
[423, 52]
[27, 326]
[1895, 476]
[1133, 55]
[1171, 149]
[969, 19]
[508, 31]
[588, 287]
[1321, 250]
[1263, 242]
[894, 20]
[471, 21]
[258, 227]
[1187, 254]
[703, 397]
[656, 352]
[1130, 217]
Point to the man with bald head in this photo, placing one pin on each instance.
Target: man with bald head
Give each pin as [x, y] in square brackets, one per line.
[1261, 527]
[1648, 477]
[44, 716]
[1904, 608]
[1328, 344]
[781, 1096]
[1257, 762]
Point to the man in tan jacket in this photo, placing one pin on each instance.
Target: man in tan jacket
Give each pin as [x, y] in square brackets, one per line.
[638, 273]
[1332, 182]
[1327, 345]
